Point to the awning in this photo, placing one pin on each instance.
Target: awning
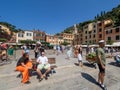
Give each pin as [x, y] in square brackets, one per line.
[116, 44]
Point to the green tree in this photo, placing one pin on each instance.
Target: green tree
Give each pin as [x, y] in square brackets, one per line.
[27, 41]
[109, 42]
[65, 43]
[10, 26]
[3, 40]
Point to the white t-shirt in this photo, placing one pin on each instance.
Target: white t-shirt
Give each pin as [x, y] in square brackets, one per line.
[42, 60]
[79, 57]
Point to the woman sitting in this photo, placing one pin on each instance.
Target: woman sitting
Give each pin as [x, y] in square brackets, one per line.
[23, 65]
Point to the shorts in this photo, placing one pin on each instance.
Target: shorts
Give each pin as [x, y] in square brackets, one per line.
[101, 70]
[43, 66]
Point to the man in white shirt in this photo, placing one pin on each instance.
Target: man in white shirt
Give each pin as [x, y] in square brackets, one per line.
[43, 64]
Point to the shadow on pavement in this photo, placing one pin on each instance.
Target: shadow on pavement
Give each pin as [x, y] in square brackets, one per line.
[114, 64]
[89, 78]
[92, 65]
[76, 64]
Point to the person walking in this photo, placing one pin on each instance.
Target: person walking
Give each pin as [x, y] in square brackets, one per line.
[10, 52]
[76, 51]
[101, 61]
[36, 51]
[80, 56]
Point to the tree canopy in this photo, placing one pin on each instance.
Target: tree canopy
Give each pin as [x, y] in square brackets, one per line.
[10, 26]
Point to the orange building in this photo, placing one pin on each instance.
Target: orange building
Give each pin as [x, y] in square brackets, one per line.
[38, 35]
[52, 39]
[112, 34]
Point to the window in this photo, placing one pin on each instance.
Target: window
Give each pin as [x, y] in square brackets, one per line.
[94, 31]
[94, 26]
[89, 41]
[100, 30]
[100, 24]
[89, 32]
[20, 35]
[117, 30]
[86, 37]
[100, 35]
[117, 37]
[109, 38]
[94, 35]
[110, 31]
[28, 34]
[86, 32]
[90, 36]
[106, 32]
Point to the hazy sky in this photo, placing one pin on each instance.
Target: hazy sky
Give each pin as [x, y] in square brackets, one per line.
[51, 16]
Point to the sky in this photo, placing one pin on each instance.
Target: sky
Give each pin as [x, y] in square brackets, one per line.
[51, 16]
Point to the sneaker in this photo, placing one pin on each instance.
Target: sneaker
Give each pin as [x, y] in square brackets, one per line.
[46, 78]
[103, 87]
[19, 75]
[98, 83]
[40, 79]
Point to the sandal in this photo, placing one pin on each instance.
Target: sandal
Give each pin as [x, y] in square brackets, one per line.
[40, 79]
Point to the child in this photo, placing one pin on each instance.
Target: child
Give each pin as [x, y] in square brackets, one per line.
[80, 57]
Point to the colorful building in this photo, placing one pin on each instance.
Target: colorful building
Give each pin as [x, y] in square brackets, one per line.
[24, 35]
[39, 35]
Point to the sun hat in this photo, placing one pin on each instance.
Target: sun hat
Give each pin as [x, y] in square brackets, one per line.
[101, 41]
[38, 42]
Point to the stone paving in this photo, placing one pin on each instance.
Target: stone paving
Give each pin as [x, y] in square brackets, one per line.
[68, 76]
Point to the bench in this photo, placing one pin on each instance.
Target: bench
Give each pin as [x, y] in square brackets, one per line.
[51, 61]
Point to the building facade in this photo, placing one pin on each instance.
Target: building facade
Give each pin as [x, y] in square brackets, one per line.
[65, 37]
[39, 35]
[52, 39]
[112, 34]
[24, 35]
[90, 34]
[96, 31]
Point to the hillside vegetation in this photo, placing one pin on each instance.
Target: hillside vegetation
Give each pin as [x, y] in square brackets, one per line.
[114, 15]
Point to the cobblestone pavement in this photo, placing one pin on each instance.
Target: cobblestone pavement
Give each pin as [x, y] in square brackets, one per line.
[68, 76]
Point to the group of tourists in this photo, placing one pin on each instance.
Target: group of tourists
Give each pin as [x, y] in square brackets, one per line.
[6, 51]
[100, 60]
[58, 49]
[24, 64]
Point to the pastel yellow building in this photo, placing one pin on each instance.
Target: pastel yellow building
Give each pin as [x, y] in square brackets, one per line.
[67, 37]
